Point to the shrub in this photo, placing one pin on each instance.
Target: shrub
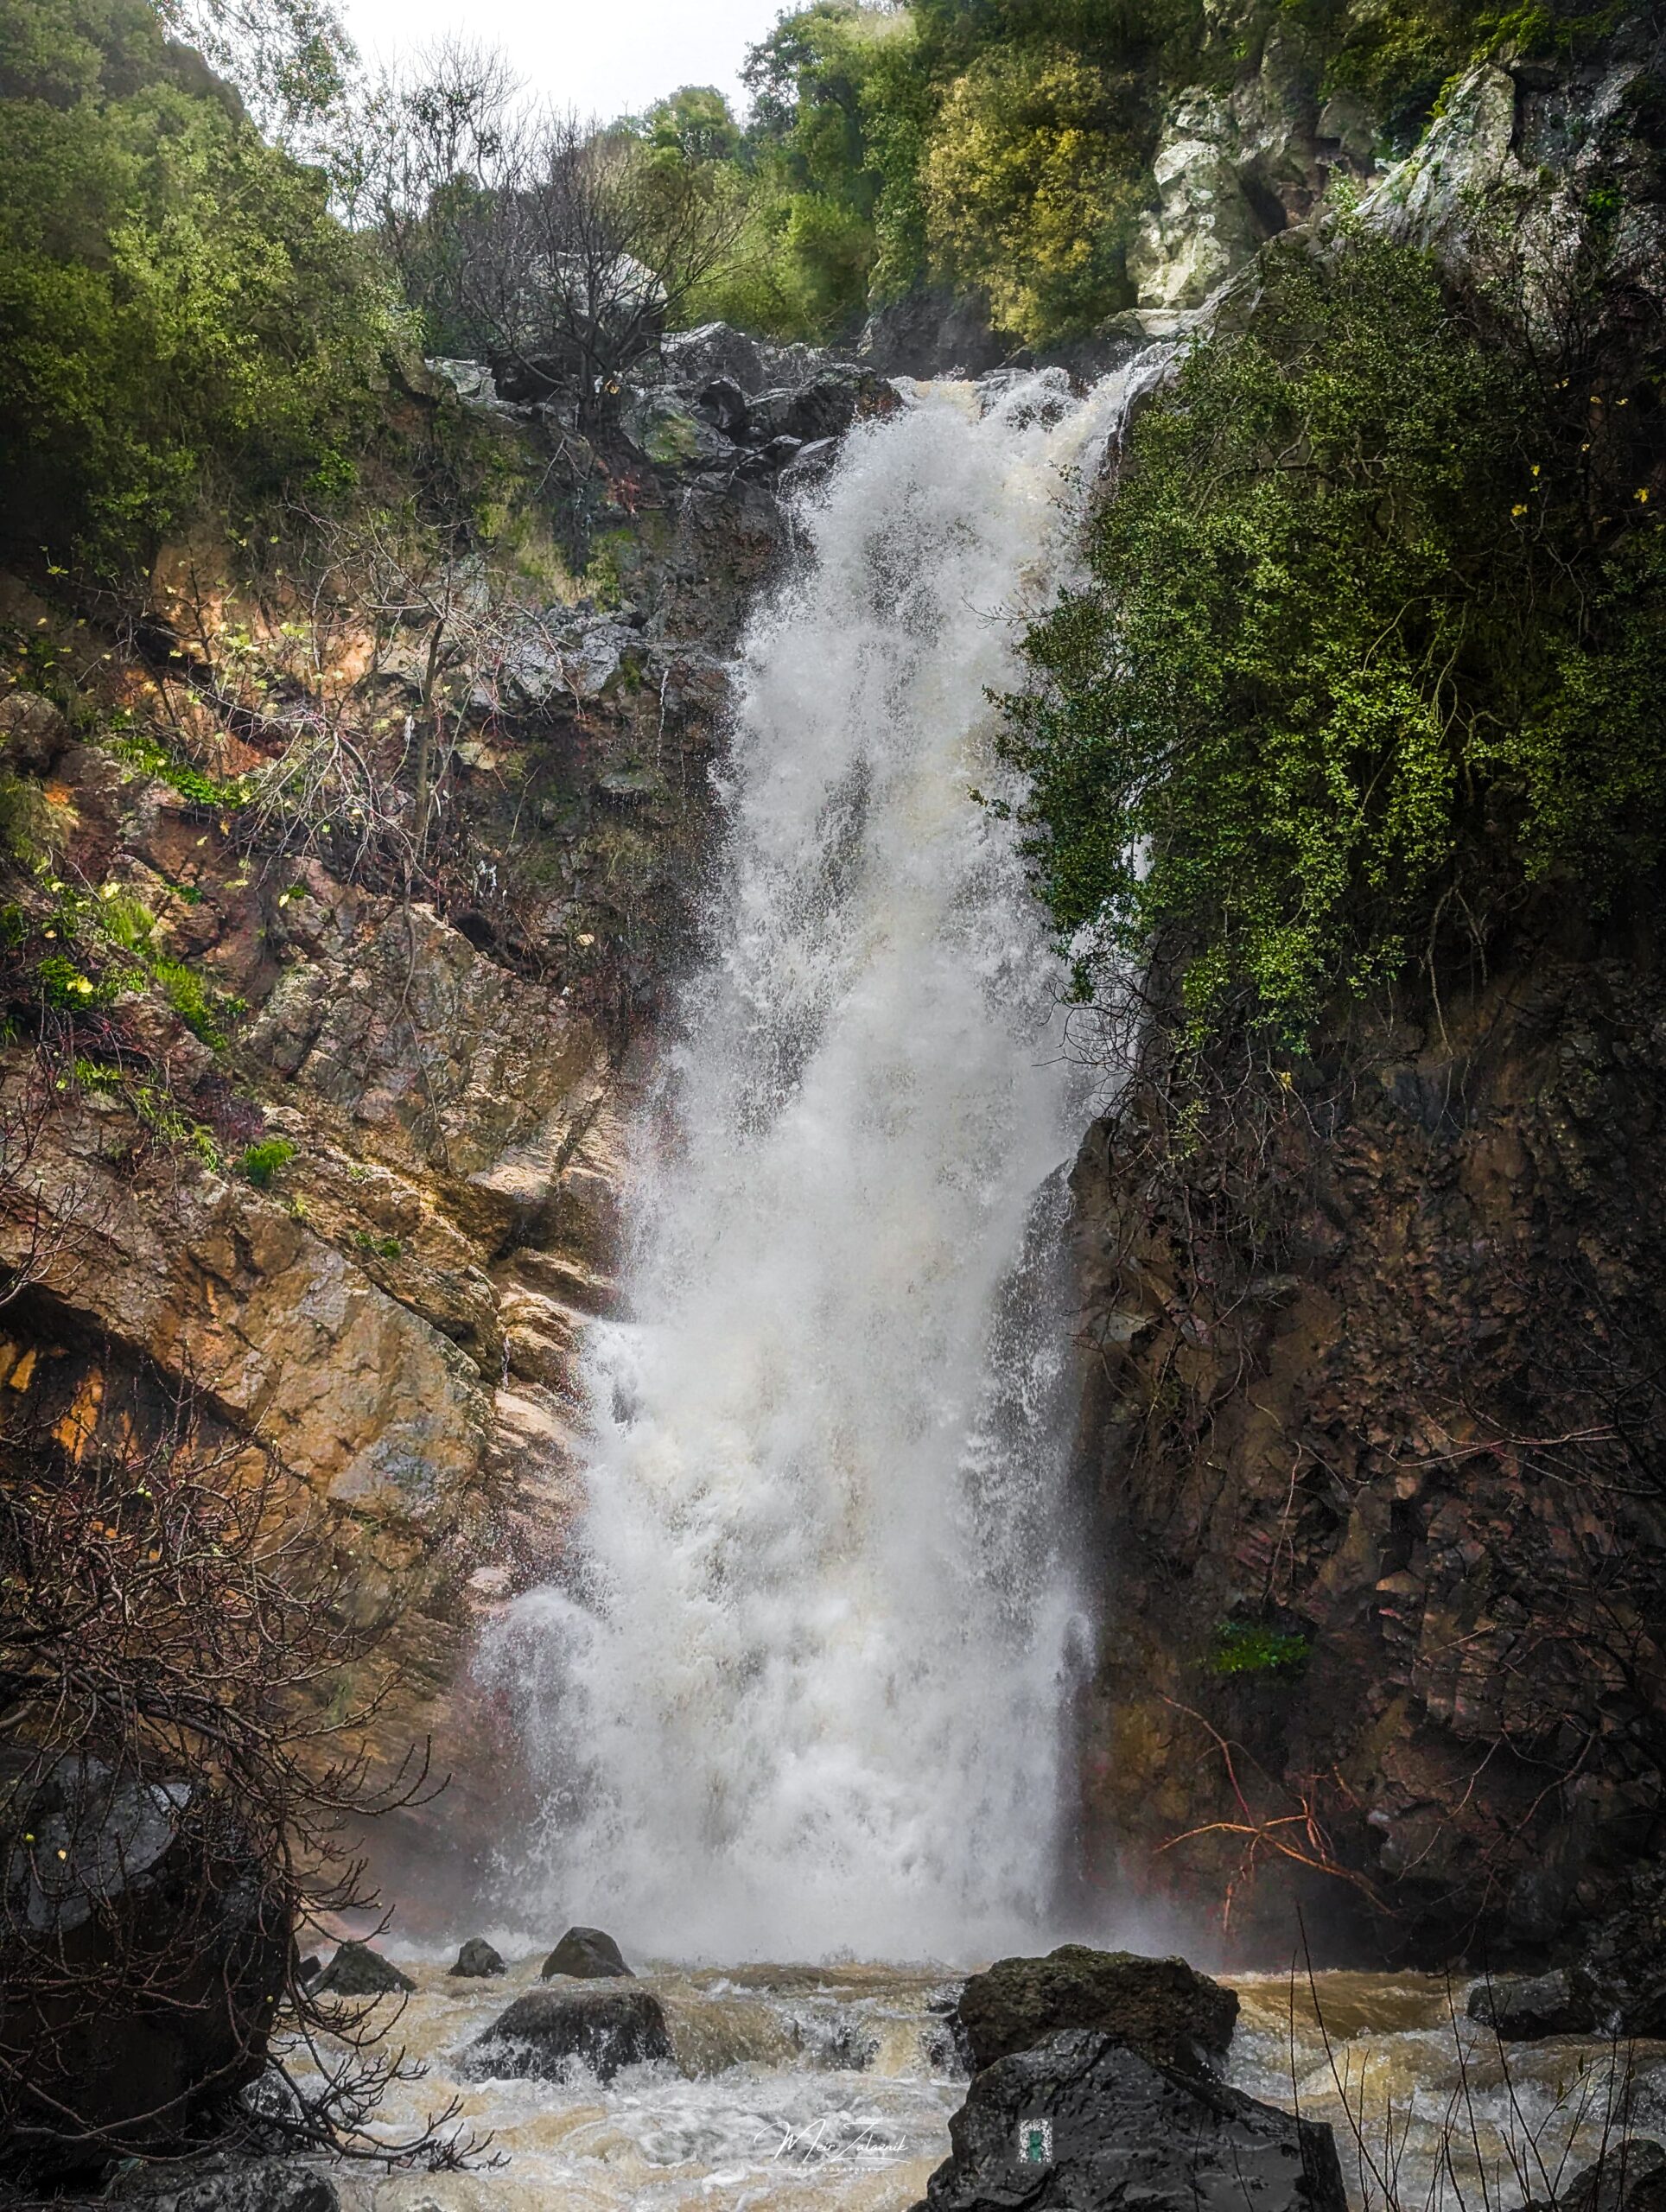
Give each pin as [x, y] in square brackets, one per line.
[261, 1163]
[1371, 640]
[1248, 1648]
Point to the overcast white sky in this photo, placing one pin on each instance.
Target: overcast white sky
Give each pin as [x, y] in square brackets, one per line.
[609, 57]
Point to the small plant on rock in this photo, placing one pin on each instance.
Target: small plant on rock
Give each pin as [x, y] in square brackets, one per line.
[261, 1163]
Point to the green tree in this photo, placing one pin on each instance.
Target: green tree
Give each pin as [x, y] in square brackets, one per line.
[179, 302]
[694, 122]
[1032, 181]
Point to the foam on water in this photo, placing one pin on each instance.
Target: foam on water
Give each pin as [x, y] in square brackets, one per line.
[804, 1693]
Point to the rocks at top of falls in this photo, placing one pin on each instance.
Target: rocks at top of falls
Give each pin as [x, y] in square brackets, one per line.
[587, 1955]
[545, 2033]
[1160, 2007]
[1084, 2122]
[357, 1971]
[477, 1961]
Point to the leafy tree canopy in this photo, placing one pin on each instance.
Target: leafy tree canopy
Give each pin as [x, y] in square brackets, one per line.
[177, 298]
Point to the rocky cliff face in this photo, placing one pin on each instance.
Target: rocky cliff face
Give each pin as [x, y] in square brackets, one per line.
[1376, 1423]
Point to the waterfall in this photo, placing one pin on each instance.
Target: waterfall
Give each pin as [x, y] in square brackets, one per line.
[805, 1692]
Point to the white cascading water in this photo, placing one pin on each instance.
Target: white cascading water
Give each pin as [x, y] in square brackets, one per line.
[807, 1692]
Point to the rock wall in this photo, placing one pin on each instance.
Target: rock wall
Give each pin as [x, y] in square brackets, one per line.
[1376, 1421]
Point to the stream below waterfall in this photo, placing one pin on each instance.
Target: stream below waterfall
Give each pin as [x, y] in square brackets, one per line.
[832, 2087]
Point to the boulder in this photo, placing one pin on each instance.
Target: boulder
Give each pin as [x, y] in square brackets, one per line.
[1629, 2177]
[935, 333]
[546, 2033]
[810, 462]
[669, 435]
[694, 357]
[1623, 1961]
[477, 1961]
[1525, 2008]
[357, 1971]
[723, 405]
[33, 732]
[587, 1954]
[823, 408]
[147, 1950]
[1083, 2122]
[1160, 2007]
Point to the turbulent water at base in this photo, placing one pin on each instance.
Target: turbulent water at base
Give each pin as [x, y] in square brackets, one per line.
[829, 2089]
[805, 1695]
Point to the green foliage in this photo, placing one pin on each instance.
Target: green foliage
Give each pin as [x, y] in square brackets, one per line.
[261, 1163]
[63, 986]
[1032, 182]
[695, 124]
[382, 1248]
[153, 758]
[177, 298]
[1364, 647]
[1397, 59]
[1247, 1648]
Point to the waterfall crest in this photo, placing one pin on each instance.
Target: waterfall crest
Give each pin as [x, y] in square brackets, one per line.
[805, 1692]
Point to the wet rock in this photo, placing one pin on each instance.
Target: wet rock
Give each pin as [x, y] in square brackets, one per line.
[1160, 2007]
[935, 333]
[587, 1954]
[723, 405]
[1525, 2008]
[276, 2184]
[1083, 2122]
[1629, 2176]
[695, 357]
[545, 2033]
[357, 1971]
[477, 1961]
[810, 462]
[823, 408]
[1623, 1960]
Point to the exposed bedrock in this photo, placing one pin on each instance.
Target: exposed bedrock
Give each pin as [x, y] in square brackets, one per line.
[1374, 1432]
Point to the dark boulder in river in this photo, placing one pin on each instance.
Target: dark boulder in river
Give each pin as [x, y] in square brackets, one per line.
[1526, 2008]
[1629, 2176]
[477, 1961]
[357, 1971]
[544, 2033]
[1160, 2007]
[1082, 2123]
[587, 1954]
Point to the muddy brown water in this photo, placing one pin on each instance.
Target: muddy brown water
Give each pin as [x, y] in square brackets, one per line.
[831, 2086]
